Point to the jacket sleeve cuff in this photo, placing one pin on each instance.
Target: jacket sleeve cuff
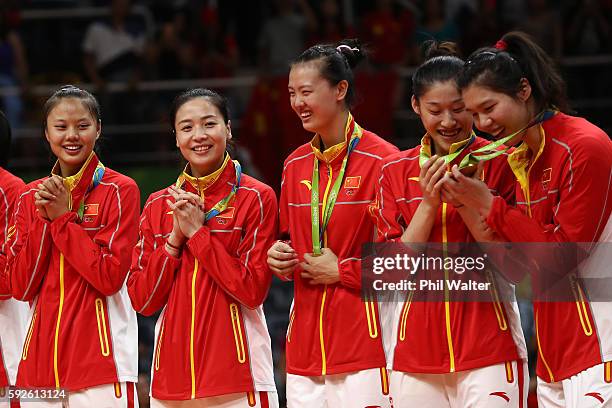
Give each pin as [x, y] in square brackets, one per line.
[199, 241]
[348, 277]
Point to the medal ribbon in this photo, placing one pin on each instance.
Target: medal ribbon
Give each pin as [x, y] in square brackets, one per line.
[319, 226]
[95, 181]
[490, 150]
[223, 204]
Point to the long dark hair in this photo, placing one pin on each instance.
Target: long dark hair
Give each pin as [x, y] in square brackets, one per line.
[517, 56]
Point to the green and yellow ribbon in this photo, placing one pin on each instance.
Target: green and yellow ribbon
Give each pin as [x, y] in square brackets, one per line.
[319, 226]
[95, 180]
[488, 151]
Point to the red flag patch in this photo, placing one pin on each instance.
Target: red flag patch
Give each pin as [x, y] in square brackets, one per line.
[228, 213]
[352, 182]
[91, 209]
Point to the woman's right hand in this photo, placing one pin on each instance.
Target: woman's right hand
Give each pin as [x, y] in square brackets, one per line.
[282, 259]
[430, 180]
[41, 199]
[176, 238]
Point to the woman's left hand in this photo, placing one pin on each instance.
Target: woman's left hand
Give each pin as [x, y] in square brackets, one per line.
[188, 211]
[58, 205]
[322, 269]
[190, 219]
[469, 191]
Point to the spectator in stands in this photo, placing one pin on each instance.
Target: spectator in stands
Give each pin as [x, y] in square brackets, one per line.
[172, 55]
[284, 35]
[332, 26]
[543, 23]
[480, 26]
[13, 69]
[112, 50]
[215, 49]
[434, 24]
[390, 33]
[589, 28]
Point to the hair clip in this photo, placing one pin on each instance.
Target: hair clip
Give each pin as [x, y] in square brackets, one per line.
[342, 46]
[501, 45]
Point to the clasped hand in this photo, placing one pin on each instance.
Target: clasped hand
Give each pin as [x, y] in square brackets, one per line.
[187, 215]
[52, 198]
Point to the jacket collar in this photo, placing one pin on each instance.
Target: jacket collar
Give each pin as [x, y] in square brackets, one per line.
[337, 150]
[209, 182]
[520, 160]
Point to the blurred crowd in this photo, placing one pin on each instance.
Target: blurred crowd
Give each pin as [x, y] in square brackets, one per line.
[187, 39]
[136, 42]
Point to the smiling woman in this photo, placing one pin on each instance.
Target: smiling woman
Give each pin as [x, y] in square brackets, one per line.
[72, 128]
[463, 363]
[327, 187]
[69, 258]
[563, 184]
[201, 257]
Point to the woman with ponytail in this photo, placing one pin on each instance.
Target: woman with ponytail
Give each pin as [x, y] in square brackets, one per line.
[335, 354]
[457, 350]
[563, 169]
[201, 258]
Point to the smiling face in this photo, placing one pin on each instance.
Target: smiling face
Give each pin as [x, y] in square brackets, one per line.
[314, 99]
[201, 135]
[72, 132]
[443, 114]
[497, 113]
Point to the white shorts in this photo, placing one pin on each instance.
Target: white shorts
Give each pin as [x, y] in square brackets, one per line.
[501, 385]
[259, 399]
[357, 389]
[117, 395]
[589, 388]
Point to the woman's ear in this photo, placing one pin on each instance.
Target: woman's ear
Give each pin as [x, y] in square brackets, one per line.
[342, 88]
[415, 105]
[524, 90]
[229, 129]
[99, 130]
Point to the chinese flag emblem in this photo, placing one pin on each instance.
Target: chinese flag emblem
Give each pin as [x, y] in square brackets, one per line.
[352, 182]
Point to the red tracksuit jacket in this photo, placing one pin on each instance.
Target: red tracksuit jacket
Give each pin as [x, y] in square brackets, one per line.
[332, 330]
[13, 314]
[441, 337]
[564, 197]
[211, 337]
[82, 330]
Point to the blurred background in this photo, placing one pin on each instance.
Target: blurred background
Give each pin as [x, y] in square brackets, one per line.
[136, 55]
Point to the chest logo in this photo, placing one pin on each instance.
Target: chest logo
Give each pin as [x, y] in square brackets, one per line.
[546, 177]
[352, 182]
[307, 183]
[91, 209]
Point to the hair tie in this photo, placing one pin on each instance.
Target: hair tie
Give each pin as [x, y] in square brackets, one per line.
[342, 46]
[501, 45]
